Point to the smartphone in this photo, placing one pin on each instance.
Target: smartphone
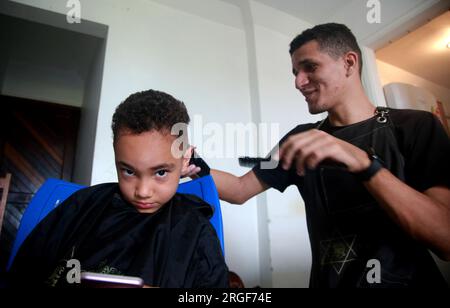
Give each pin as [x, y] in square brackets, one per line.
[96, 280]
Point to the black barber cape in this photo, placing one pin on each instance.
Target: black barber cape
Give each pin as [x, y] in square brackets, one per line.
[174, 247]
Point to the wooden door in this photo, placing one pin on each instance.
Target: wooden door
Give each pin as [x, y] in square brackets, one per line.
[37, 141]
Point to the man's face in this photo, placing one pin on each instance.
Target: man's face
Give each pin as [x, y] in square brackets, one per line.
[318, 76]
[148, 173]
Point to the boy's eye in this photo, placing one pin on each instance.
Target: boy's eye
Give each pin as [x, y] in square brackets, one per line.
[161, 173]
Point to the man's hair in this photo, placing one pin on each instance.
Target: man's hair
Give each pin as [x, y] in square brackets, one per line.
[334, 39]
[146, 111]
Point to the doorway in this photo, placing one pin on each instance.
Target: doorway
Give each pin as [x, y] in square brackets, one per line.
[50, 83]
[37, 142]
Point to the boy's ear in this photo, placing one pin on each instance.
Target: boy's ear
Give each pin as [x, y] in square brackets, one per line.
[186, 162]
[186, 157]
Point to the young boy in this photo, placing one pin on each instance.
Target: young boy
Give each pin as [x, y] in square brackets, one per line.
[138, 227]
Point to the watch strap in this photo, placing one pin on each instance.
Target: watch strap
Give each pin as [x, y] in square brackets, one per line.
[375, 166]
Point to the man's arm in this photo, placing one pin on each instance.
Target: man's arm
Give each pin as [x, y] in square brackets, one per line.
[425, 216]
[231, 188]
[237, 190]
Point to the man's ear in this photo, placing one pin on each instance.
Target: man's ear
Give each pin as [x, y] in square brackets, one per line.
[351, 63]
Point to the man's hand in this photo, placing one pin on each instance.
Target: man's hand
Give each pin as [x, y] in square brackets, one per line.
[189, 170]
[310, 148]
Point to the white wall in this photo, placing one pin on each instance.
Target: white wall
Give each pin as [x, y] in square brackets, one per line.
[231, 65]
[199, 61]
[205, 63]
[281, 103]
[84, 158]
[371, 78]
[43, 62]
[43, 83]
[390, 73]
[396, 18]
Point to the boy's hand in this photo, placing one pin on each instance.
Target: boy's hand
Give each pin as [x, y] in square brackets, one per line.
[189, 170]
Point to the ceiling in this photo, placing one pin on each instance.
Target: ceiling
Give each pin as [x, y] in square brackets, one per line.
[38, 57]
[423, 52]
[314, 12]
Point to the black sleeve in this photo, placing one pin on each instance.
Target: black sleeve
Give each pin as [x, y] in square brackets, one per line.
[42, 251]
[276, 176]
[427, 151]
[37, 256]
[208, 267]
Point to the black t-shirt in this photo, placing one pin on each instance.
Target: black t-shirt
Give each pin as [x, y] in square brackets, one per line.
[347, 227]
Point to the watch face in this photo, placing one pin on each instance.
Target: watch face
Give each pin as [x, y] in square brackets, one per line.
[377, 158]
[374, 156]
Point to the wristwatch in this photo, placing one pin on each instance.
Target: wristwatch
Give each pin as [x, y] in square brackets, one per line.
[375, 165]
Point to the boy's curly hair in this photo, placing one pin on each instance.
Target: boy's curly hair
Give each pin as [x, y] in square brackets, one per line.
[146, 111]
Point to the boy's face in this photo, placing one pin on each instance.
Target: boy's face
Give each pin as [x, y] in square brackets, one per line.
[148, 173]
